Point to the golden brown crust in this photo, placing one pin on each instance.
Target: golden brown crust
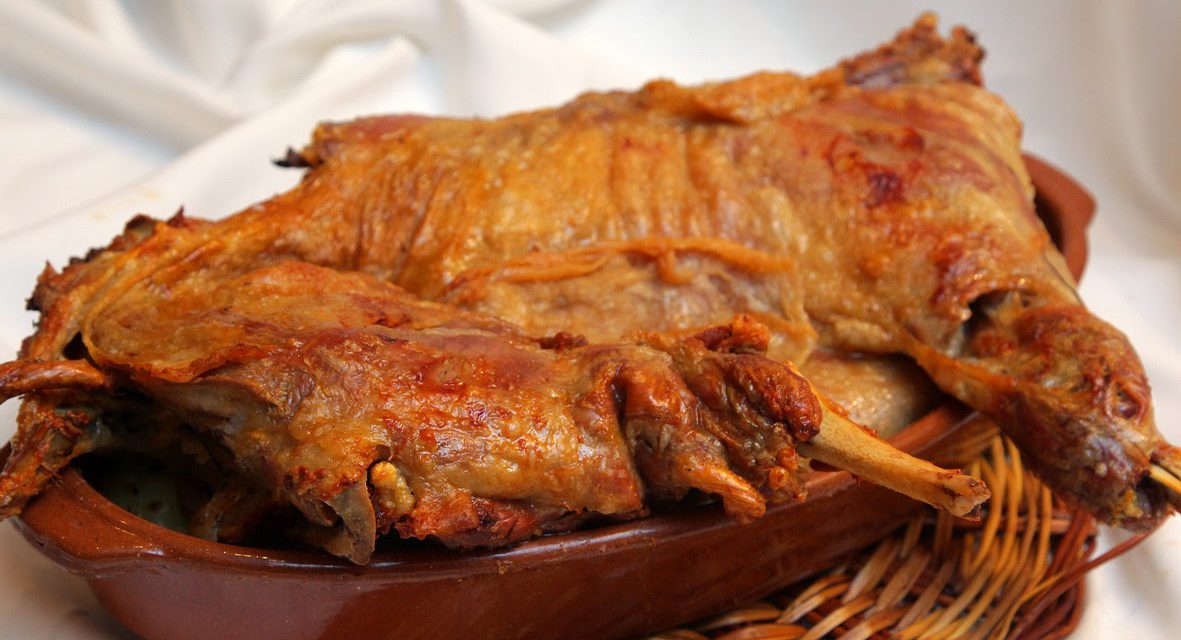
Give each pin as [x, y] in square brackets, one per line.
[310, 377]
[876, 207]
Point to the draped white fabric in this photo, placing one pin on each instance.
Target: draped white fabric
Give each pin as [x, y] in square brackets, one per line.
[108, 108]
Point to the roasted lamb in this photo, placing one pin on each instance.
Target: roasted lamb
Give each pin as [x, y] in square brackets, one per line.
[481, 330]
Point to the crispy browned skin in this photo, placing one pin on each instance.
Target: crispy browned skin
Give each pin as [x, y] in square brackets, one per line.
[328, 386]
[881, 207]
[372, 410]
[878, 207]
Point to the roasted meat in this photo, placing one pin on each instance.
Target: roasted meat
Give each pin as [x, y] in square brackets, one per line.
[482, 329]
[878, 207]
[369, 409]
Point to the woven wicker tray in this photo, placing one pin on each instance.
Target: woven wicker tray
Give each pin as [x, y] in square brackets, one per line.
[1018, 573]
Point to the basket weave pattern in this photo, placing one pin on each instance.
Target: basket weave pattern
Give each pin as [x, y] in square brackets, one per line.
[1017, 573]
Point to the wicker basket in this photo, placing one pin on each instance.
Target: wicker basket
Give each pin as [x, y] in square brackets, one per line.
[1017, 573]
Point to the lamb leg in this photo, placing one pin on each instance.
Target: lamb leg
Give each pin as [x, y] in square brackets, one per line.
[846, 445]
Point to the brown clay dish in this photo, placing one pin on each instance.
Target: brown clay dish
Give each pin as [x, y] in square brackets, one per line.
[613, 581]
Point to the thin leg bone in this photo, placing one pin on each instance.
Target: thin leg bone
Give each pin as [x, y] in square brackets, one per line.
[1165, 470]
[21, 377]
[844, 444]
[49, 436]
[1170, 482]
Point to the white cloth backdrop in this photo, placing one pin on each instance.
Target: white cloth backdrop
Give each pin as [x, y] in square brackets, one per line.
[109, 108]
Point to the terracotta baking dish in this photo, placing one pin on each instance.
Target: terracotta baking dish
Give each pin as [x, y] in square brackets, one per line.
[613, 581]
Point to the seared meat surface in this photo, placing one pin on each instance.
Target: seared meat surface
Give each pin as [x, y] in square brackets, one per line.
[878, 207]
[478, 330]
[333, 386]
[371, 410]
